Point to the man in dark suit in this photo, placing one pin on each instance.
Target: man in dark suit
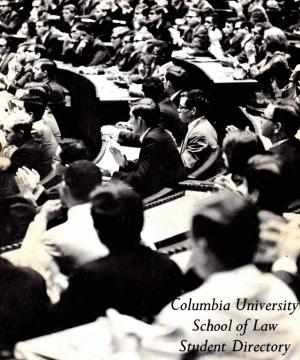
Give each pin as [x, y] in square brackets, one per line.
[159, 164]
[133, 279]
[158, 25]
[17, 131]
[82, 49]
[49, 40]
[9, 19]
[280, 123]
[5, 55]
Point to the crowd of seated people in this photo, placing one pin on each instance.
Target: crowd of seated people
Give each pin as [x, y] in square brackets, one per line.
[77, 225]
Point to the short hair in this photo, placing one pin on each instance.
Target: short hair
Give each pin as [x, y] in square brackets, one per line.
[34, 104]
[73, 150]
[239, 147]
[178, 77]
[153, 88]
[47, 65]
[40, 89]
[230, 225]
[82, 177]
[275, 40]
[39, 49]
[196, 98]
[286, 112]
[21, 121]
[266, 176]
[247, 24]
[117, 212]
[148, 110]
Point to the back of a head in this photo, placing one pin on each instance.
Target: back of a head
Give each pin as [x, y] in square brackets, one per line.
[117, 211]
[286, 112]
[275, 40]
[20, 121]
[265, 175]
[153, 88]
[239, 147]
[82, 177]
[229, 223]
[34, 105]
[178, 77]
[40, 49]
[148, 110]
[73, 150]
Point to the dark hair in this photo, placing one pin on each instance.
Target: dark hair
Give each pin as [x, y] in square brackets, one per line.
[73, 150]
[247, 24]
[34, 105]
[47, 65]
[148, 110]
[117, 211]
[164, 50]
[82, 177]
[266, 175]
[178, 77]
[25, 126]
[39, 49]
[286, 112]
[239, 147]
[153, 88]
[196, 98]
[230, 226]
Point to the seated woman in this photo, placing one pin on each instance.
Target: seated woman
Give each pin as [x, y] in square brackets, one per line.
[273, 71]
[238, 148]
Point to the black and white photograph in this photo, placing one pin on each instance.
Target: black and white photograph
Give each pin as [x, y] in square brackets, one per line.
[150, 179]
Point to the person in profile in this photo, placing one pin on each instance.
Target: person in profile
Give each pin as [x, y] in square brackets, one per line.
[159, 164]
[133, 278]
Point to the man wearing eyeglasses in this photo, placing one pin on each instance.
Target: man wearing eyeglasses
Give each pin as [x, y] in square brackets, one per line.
[201, 141]
[280, 123]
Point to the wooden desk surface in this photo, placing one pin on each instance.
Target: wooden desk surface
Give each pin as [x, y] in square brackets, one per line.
[106, 90]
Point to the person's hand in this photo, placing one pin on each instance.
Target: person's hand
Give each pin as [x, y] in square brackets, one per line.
[231, 128]
[27, 180]
[50, 209]
[225, 182]
[236, 6]
[110, 131]
[124, 125]
[118, 156]
[226, 61]
[215, 35]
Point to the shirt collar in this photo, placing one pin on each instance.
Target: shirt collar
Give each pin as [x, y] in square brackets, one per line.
[279, 142]
[142, 137]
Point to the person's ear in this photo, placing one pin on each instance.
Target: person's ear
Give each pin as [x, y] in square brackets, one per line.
[20, 133]
[277, 128]
[193, 110]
